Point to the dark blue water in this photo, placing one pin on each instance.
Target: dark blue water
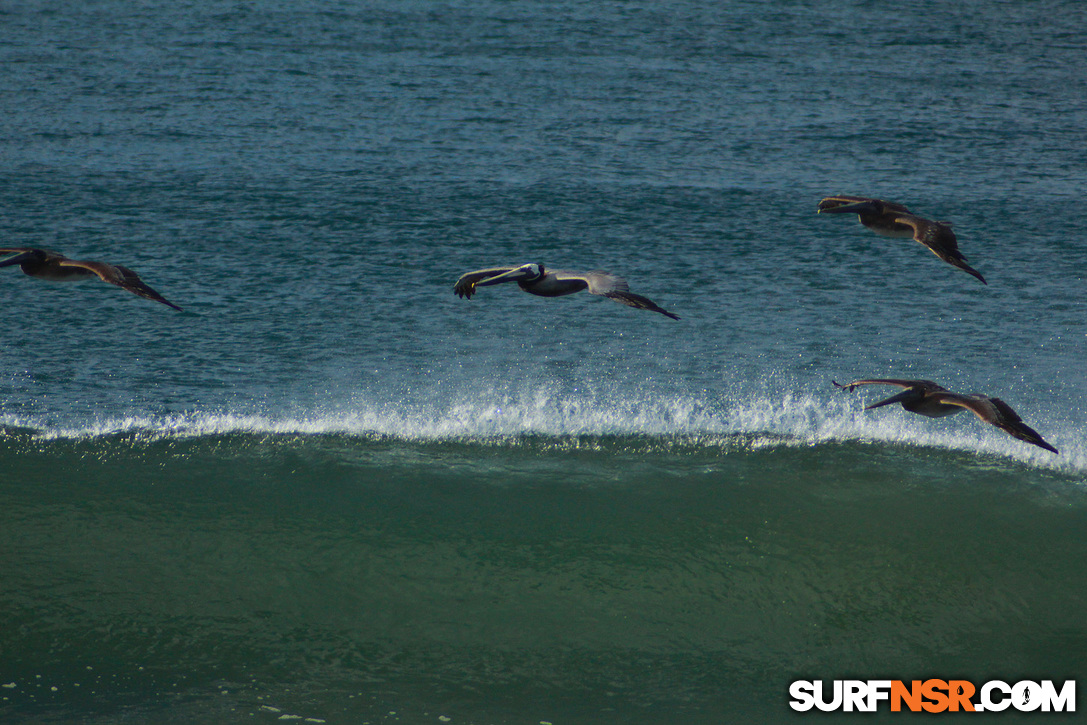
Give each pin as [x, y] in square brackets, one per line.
[331, 489]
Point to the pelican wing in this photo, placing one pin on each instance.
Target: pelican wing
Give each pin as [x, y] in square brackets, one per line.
[922, 384]
[123, 277]
[466, 285]
[616, 288]
[940, 240]
[600, 283]
[832, 202]
[981, 406]
[998, 413]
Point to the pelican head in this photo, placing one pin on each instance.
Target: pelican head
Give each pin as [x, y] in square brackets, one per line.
[524, 273]
[31, 256]
[906, 397]
[865, 206]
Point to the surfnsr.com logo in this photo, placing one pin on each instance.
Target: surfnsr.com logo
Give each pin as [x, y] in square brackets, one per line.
[933, 696]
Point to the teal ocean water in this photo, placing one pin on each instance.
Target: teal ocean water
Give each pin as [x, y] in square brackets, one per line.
[331, 491]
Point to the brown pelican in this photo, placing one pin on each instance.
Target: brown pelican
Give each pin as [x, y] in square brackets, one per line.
[534, 279]
[894, 220]
[44, 264]
[928, 398]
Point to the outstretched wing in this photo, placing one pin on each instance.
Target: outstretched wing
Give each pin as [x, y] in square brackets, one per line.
[939, 238]
[922, 384]
[123, 277]
[600, 283]
[466, 285]
[616, 288]
[982, 406]
[998, 413]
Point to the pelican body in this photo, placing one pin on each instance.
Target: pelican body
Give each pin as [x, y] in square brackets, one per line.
[55, 267]
[895, 220]
[929, 399]
[537, 280]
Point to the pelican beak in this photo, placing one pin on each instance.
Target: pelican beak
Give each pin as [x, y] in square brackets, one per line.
[856, 207]
[1043, 444]
[904, 397]
[512, 275]
[18, 259]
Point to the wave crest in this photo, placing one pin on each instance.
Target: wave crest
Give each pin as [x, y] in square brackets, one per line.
[505, 415]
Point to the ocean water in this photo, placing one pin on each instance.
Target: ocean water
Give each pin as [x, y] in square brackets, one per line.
[331, 491]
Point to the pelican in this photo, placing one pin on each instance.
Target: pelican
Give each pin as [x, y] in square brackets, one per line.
[56, 267]
[928, 398]
[895, 220]
[534, 279]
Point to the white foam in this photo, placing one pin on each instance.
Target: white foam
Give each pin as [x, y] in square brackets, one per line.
[800, 418]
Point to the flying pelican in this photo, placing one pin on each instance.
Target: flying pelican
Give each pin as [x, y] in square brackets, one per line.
[894, 220]
[534, 279]
[928, 398]
[48, 265]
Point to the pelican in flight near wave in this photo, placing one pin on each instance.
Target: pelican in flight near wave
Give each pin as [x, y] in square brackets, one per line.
[535, 279]
[48, 265]
[928, 398]
[894, 220]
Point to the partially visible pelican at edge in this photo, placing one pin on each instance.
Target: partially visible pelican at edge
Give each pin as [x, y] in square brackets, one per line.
[895, 220]
[928, 398]
[56, 267]
[535, 279]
